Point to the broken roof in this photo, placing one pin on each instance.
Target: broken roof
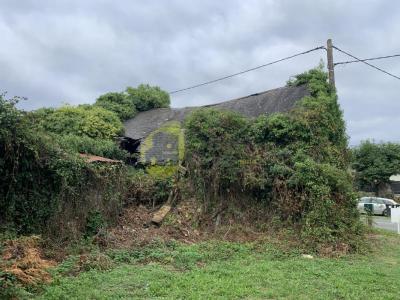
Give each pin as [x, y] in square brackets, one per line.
[276, 100]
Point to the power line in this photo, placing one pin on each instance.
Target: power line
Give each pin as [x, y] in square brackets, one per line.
[248, 70]
[366, 59]
[372, 66]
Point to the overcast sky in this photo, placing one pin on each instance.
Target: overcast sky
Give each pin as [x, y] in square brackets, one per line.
[72, 51]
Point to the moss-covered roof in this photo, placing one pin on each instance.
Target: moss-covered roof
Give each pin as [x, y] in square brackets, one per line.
[159, 144]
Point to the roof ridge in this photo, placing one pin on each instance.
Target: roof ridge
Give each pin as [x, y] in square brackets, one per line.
[248, 96]
[235, 99]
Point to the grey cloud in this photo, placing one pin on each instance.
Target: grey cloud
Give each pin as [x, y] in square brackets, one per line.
[73, 51]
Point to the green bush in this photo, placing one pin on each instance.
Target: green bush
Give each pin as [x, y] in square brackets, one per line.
[297, 163]
[91, 121]
[45, 188]
[128, 103]
[216, 146]
[84, 144]
[94, 222]
[118, 103]
[146, 188]
[146, 97]
[21, 171]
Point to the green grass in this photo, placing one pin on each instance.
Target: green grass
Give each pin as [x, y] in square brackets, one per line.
[220, 270]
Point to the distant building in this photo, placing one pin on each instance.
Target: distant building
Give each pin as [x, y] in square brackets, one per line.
[395, 184]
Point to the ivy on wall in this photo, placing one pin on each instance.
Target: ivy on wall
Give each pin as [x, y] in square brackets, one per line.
[295, 162]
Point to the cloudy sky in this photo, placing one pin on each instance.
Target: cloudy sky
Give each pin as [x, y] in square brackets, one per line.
[72, 51]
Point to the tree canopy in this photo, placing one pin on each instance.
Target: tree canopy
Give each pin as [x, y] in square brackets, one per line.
[127, 104]
[118, 103]
[146, 97]
[375, 163]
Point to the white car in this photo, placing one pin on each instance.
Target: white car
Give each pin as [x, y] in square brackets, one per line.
[380, 206]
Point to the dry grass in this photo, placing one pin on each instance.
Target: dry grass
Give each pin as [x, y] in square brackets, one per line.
[23, 258]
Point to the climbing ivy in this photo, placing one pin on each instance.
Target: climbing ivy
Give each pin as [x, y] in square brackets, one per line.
[296, 163]
[44, 187]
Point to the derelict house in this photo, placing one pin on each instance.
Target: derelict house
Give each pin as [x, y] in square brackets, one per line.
[157, 135]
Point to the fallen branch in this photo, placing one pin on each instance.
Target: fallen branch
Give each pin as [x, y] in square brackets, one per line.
[159, 216]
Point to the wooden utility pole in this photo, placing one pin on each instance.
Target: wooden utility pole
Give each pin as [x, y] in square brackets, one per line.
[331, 70]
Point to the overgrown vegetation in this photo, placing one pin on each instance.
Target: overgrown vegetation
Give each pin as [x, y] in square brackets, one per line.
[46, 186]
[146, 97]
[287, 171]
[84, 120]
[118, 103]
[295, 163]
[374, 164]
[150, 187]
[133, 100]
[83, 144]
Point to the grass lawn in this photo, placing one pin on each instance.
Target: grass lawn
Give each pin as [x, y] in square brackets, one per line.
[221, 270]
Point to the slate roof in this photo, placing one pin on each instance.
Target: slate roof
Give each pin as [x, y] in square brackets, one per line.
[148, 121]
[276, 100]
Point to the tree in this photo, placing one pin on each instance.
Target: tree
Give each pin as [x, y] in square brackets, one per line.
[375, 163]
[118, 103]
[146, 97]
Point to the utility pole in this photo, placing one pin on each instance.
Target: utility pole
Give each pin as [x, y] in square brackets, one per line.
[331, 70]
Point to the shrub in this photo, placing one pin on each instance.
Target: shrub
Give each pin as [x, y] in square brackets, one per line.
[216, 146]
[149, 189]
[94, 222]
[296, 163]
[118, 103]
[91, 121]
[146, 97]
[84, 144]
[46, 189]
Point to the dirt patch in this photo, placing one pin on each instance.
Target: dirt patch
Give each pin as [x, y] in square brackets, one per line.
[23, 258]
[134, 228]
[183, 224]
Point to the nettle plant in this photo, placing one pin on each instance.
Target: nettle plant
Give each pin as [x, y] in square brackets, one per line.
[296, 163]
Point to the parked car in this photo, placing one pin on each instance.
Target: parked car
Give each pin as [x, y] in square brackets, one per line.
[380, 206]
[389, 201]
